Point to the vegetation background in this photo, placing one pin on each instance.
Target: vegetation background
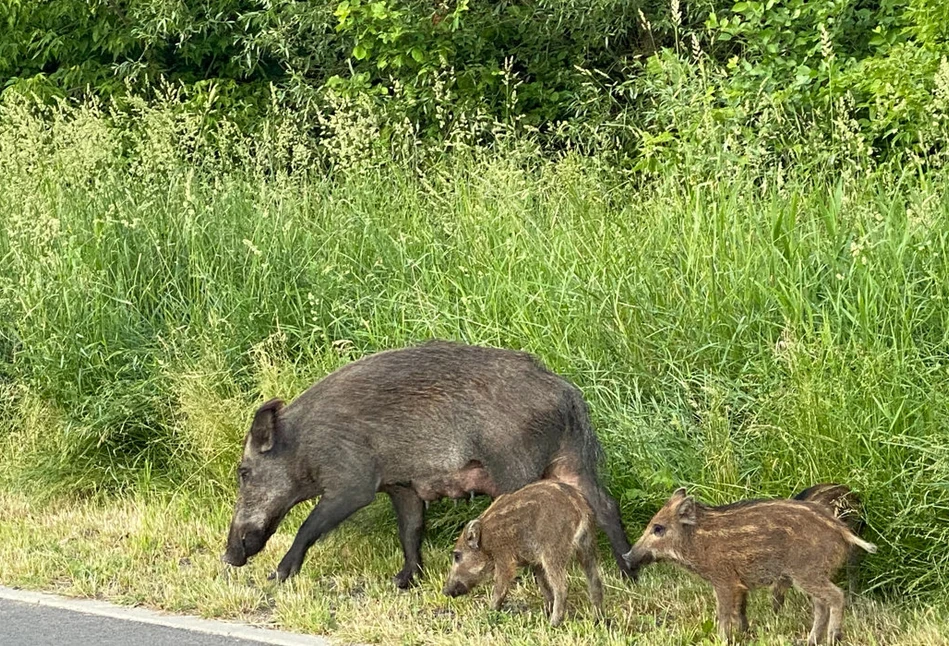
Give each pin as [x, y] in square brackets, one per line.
[726, 222]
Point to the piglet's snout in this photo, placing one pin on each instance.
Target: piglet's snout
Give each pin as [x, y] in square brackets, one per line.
[455, 589]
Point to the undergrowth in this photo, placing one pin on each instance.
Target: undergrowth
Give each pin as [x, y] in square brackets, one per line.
[738, 326]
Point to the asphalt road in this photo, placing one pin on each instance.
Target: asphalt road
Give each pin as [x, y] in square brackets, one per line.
[52, 621]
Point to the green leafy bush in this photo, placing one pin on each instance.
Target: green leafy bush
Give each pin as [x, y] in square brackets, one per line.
[806, 55]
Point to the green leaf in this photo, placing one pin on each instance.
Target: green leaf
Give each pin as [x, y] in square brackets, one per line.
[359, 52]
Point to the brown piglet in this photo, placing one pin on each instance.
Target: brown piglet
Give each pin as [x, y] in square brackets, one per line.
[541, 526]
[752, 544]
[843, 503]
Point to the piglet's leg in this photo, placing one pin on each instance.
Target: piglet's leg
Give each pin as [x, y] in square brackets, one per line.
[545, 590]
[828, 608]
[834, 630]
[728, 600]
[557, 577]
[504, 573]
[741, 610]
[778, 592]
[834, 599]
[586, 554]
[819, 627]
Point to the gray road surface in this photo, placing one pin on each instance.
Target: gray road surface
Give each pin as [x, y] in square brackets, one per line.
[29, 619]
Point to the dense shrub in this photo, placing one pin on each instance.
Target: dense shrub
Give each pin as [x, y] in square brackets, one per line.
[553, 65]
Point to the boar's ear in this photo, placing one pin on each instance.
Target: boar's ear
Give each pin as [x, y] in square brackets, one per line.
[679, 493]
[473, 534]
[264, 427]
[685, 512]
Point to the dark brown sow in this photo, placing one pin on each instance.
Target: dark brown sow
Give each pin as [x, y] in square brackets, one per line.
[421, 423]
[542, 526]
[751, 544]
[843, 503]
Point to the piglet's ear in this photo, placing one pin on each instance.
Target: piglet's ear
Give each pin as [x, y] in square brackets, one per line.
[263, 430]
[473, 534]
[679, 493]
[685, 512]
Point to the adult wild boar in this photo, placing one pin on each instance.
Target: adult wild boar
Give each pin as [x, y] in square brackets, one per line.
[437, 420]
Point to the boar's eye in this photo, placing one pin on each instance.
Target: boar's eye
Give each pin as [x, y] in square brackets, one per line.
[242, 474]
[658, 530]
[456, 556]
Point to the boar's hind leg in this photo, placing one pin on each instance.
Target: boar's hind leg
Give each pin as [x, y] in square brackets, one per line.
[607, 516]
[410, 514]
[333, 508]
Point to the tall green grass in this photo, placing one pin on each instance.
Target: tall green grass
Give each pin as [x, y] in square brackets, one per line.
[747, 332]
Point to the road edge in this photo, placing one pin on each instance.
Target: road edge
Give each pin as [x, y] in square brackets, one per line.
[156, 618]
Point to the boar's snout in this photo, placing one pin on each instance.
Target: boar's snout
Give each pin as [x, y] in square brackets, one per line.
[242, 544]
[234, 555]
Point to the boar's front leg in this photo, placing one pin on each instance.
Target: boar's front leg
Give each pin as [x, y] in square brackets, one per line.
[333, 508]
[410, 514]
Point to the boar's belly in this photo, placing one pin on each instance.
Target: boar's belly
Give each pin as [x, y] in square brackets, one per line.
[473, 477]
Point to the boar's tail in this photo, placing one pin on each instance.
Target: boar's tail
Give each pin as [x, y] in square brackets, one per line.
[853, 539]
[581, 432]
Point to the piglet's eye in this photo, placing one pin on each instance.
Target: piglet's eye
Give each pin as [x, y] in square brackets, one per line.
[456, 556]
[658, 530]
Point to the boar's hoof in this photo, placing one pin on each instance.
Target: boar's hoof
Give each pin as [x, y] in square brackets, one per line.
[629, 571]
[404, 579]
[283, 572]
